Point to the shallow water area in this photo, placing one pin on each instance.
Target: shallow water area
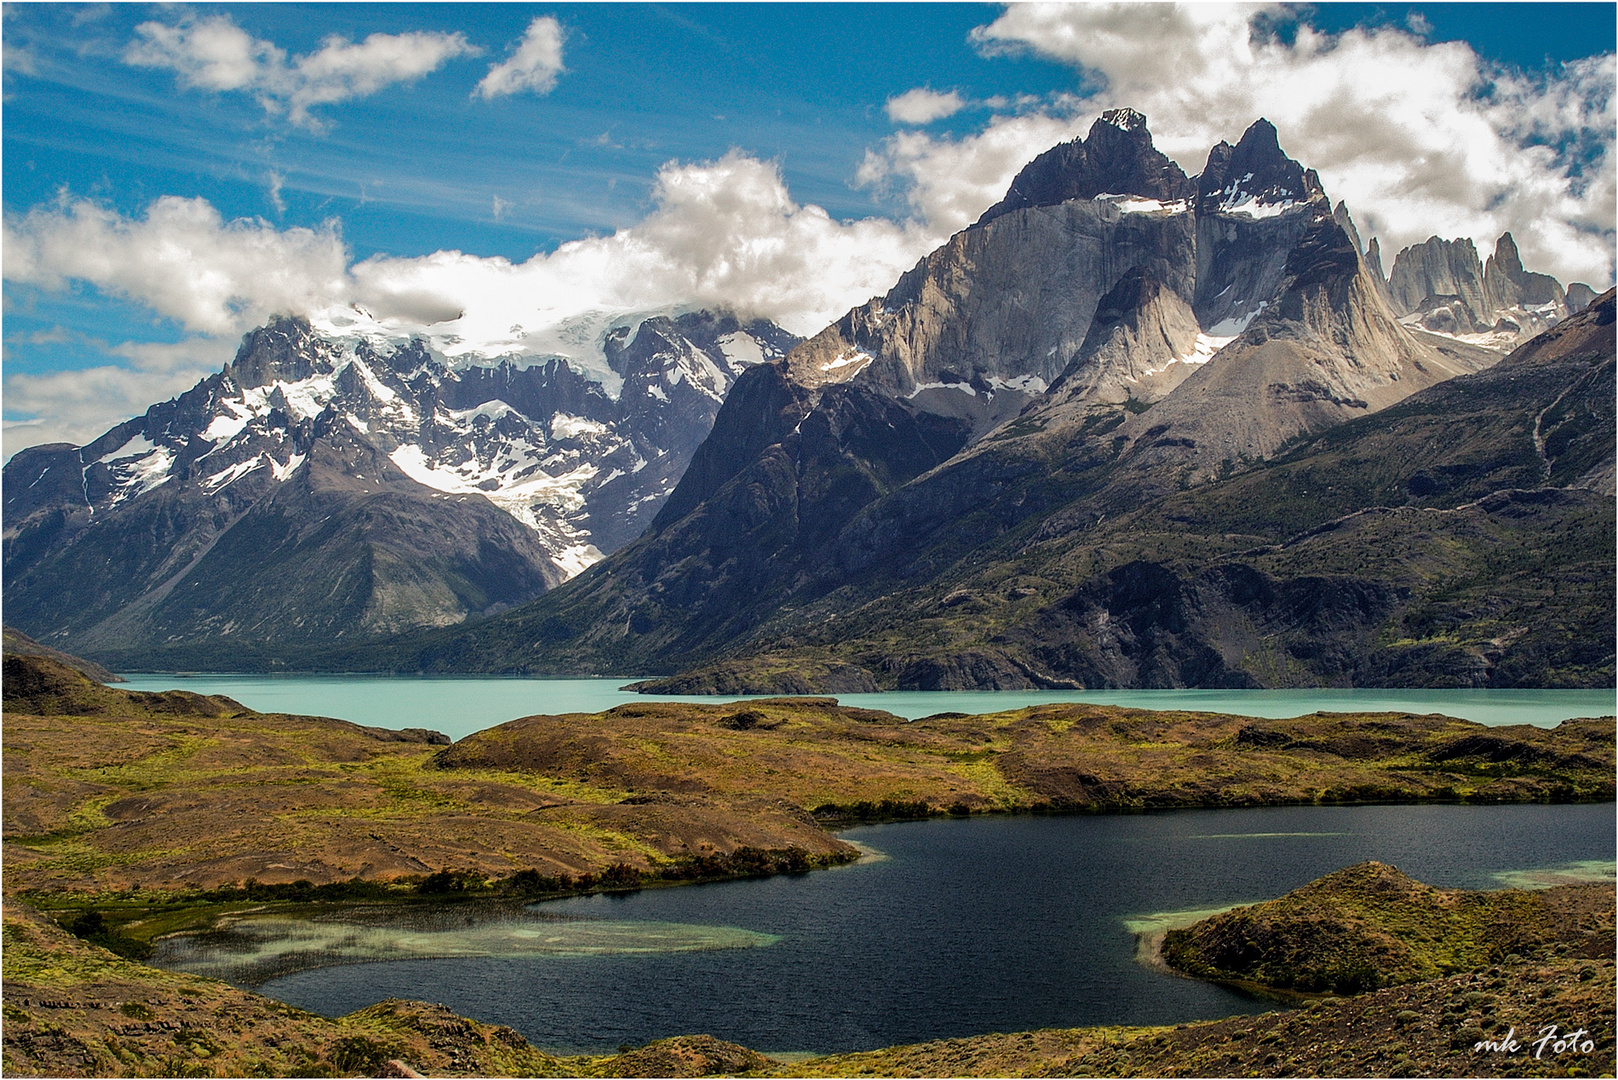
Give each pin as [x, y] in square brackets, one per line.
[965, 926]
[461, 705]
[250, 948]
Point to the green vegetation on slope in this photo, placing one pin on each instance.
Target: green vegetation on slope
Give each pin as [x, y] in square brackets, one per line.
[1369, 926]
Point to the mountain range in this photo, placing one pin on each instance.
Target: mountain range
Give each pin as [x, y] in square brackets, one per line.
[324, 487]
[1131, 428]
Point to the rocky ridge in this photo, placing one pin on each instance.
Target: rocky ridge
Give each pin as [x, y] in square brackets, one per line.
[324, 488]
[903, 469]
[1440, 286]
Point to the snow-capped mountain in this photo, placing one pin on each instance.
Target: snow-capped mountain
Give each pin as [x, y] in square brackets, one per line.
[1111, 334]
[513, 479]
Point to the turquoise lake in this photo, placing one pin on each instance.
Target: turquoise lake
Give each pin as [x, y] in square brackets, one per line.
[460, 706]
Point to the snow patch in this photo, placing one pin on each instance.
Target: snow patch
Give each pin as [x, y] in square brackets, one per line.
[226, 477]
[494, 410]
[1032, 385]
[742, 349]
[222, 429]
[1136, 204]
[281, 472]
[848, 358]
[1205, 347]
[1233, 326]
[965, 388]
[575, 559]
[143, 474]
[137, 446]
[1236, 201]
[565, 426]
[305, 398]
[1202, 351]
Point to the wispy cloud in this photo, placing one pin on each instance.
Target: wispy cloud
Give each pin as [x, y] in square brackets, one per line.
[213, 53]
[534, 64]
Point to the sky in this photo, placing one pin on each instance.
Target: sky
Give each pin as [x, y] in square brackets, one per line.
[507, 179]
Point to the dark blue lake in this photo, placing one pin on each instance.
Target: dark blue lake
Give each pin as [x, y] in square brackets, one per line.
[963, 926]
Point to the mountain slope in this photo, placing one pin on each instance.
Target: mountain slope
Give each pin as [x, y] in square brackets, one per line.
[1094, 539]
[1460, 538]
[323, 488]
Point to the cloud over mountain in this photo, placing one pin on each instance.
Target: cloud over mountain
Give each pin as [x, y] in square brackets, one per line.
[1420, 138]
[724, 233]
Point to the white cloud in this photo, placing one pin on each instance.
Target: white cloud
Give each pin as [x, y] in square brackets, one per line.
[722, 234]
[77, 406]
[533, 65]
[949, 182]
[923, 105]
[1419, 138]
[213, 53]
[182, 259]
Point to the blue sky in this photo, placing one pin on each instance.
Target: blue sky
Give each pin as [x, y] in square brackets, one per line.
[697, 132]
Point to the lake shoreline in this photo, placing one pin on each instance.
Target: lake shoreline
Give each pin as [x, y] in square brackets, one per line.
[478, 702]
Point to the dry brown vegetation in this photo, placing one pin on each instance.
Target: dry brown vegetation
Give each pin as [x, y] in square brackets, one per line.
[1369, 926]
[107, 789]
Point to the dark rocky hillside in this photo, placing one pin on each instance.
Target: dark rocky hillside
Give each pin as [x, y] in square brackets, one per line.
[1326, 496]
[326, 488]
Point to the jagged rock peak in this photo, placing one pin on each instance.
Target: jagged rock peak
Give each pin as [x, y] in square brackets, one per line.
[1124, 119]
[285, 349]
[1116, 158]
[1579, 296]
[1255, 172]
[1438, 268]
[1341, 216]
[1506, 283]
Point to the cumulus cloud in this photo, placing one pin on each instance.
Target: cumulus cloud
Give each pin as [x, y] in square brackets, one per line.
[533, 65]
[1419, 138]
[949, 182]
[722, 234]
[923, 105]
[213, 53]
[181, 259]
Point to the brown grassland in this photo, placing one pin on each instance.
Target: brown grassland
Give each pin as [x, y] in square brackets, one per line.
[129, 815]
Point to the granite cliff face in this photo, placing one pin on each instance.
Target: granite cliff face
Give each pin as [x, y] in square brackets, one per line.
[324, 488]
[963, 483]
[1440, 286]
